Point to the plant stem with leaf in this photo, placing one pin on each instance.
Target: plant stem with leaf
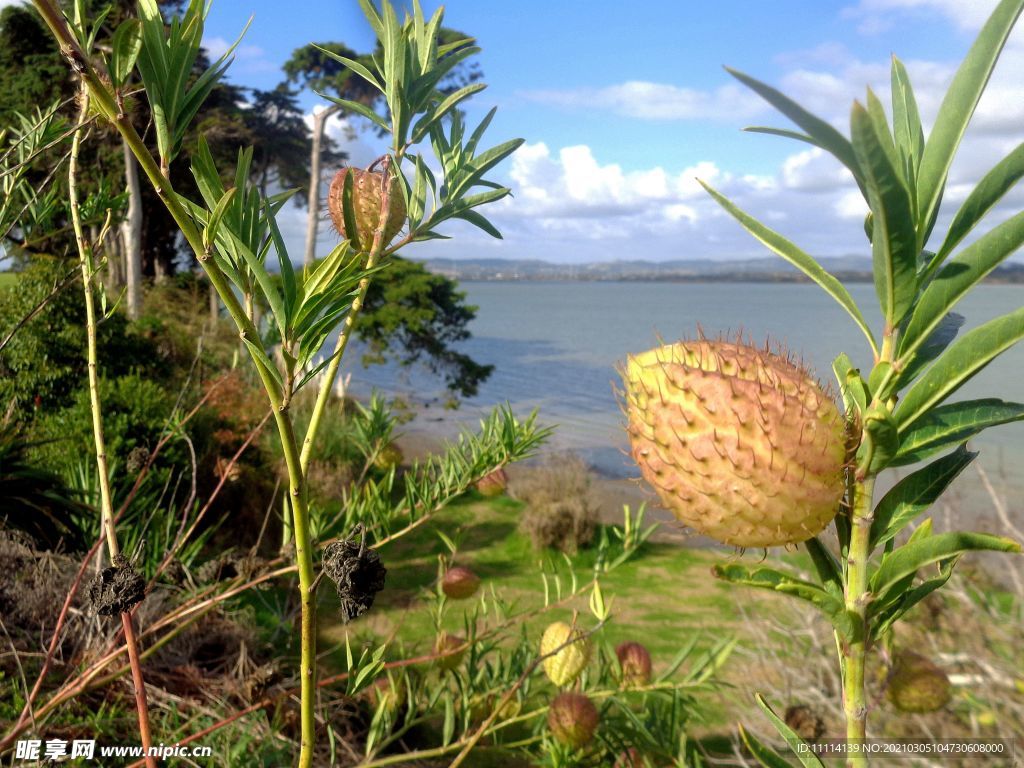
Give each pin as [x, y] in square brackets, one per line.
[95, 404]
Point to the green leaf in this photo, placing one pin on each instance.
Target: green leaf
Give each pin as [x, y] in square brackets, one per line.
[851, 385]
[769, 131]
[989, 191]
[820, 131]
[906, 560]
[934, 345]
[954, 424]
[806, 757]
[765, 755]
[959, 275]
[354, 65]
[779, 581]
[799, 259]
[890, 607]
[912, 495]
[213, 225]
[965, 357]
[125, 50]
[359, 109]
[957, 108]
[480, 222]
[894, 239]
[906, 120]
[825, 563]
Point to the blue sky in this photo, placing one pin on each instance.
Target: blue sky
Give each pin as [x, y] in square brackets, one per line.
[621, 109]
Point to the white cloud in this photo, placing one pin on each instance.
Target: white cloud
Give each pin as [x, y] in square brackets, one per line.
[880, 15]
[248, 58]
[645, 100]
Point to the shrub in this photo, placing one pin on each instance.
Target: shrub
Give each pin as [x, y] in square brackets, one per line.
[44, 363]
[561, 512]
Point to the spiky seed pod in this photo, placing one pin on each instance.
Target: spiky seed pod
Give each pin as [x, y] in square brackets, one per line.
[573, 718]
[493, 483]
[740, 444]
[385, 694]
[460, 583]
[448, 649]
[367, 200]
[566, 665]
[917, 685]
[635, 662]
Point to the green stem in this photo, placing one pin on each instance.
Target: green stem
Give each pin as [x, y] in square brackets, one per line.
[95, 406]
[857, 599]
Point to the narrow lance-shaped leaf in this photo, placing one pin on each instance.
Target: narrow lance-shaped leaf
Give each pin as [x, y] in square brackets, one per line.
[799, 259]
[778, 581]
[894, 239]
[821, 132]
[989, 191]
[958, 107]
[934, 345]
[911, 557]
[906, 120]
[959, 275]
[953, 424]
[912, 495]
[967, 356]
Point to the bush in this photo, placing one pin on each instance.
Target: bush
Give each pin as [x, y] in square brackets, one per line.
[135, 413]
[561, 512]
[44, 363]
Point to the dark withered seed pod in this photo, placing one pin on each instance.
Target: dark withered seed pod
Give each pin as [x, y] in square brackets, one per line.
[358, 573]
[116, 589]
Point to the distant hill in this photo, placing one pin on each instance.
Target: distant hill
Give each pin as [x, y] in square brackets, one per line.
[763, 270]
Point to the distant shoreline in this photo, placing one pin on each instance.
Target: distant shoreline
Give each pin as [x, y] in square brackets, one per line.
[785, 279]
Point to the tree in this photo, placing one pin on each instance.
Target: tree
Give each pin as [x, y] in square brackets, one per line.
[414, 316]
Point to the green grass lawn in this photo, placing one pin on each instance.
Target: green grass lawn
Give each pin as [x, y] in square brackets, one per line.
[8, 279]
[665, 597]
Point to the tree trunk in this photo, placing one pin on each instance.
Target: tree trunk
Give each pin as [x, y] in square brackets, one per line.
[313, 221]
[131, 235]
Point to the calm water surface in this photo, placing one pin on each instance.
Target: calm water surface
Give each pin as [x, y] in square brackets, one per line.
[556, 346]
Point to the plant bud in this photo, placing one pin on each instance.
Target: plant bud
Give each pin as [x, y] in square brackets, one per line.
[572, 718]
[448, 649]
[635, 663]
[367, 200]
[917, 685]
[492, 484]
[740, 444]
[565, 666]
[460, 583]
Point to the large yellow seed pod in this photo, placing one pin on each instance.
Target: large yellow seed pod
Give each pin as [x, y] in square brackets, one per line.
[739, 443]
[565, 666]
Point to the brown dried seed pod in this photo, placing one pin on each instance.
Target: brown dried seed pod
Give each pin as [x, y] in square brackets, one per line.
[573, 718]
[805, 722]
[367, 200]
[460, 583]
[492, 484]
[635, 661]
[117, 589]
[740, 443]
[358, 573]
